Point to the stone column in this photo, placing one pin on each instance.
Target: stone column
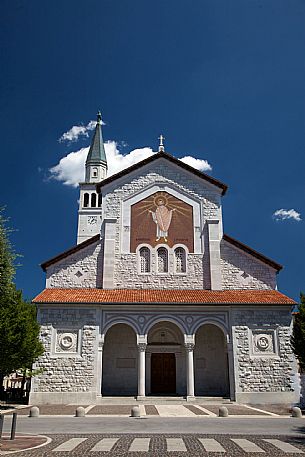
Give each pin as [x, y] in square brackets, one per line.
[189, 345]
[99, 367]
[141, 370]
[142, 344]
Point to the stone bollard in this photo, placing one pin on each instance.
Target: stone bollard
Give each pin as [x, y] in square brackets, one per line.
[80, 412]
[135, 411]
[34, 411]
[223, 412]
[296, 412]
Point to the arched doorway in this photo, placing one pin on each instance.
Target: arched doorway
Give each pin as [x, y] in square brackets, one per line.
[211, 362]
[165, 360]
[120, 361]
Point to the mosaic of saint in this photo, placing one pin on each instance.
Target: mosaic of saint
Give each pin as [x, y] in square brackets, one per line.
[161, 218]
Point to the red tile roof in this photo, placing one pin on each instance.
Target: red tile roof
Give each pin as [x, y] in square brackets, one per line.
[184, 296]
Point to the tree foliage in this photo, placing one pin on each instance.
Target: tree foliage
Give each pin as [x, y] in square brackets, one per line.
[298, 334]
[19, 330]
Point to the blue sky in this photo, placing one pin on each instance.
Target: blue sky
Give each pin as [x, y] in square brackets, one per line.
[222, 80]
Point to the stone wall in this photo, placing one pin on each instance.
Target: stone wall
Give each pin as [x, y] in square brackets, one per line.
[242, 271]
[81, 269]
[69, 336]
[127, 267]
[263, 356]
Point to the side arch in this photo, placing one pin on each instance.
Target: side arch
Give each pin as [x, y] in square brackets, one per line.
[120, 360]
[211, 321]
[125, 320]
[211, 366]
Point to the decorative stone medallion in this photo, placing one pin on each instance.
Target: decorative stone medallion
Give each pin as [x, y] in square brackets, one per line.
[92, 220]
[263, 342]
[66, 341]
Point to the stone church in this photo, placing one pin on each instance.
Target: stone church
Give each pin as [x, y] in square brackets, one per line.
[156, 300]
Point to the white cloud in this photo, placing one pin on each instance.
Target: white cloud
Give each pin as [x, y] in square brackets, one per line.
[284, 214]
[71, 169]
[199, 164]
[76, 131]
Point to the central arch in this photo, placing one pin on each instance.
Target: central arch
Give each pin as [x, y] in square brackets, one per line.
[165, 360]
[211, 362]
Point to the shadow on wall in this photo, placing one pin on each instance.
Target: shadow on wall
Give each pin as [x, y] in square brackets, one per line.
[100, 266]
[120, 361]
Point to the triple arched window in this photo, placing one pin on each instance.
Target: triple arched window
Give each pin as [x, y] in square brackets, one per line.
[162, 260]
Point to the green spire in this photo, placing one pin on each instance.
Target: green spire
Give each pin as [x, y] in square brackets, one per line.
[96, 152]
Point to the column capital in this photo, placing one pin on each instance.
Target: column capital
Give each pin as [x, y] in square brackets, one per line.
[189, 339]
[189, 347]
[142, 347]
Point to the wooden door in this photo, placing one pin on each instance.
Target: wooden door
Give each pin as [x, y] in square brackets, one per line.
[163, 373]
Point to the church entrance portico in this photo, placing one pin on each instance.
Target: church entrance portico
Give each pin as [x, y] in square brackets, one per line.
[165, 360]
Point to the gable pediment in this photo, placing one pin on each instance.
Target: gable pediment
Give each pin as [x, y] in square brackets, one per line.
[168, 160]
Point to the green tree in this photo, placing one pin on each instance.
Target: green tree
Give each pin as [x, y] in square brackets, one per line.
[19, 330]
[298, 333]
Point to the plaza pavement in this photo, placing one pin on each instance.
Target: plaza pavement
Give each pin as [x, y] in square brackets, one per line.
[162, 430]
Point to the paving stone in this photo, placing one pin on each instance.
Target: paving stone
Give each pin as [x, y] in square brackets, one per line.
[175, 445]
[211, 445]
[105, 444]
[69, 445]
[195, 410]
[285, 447]
[151, 410]
[121, 410]
[174, 411]
[140, 445]
[235, 410]
[246, 445]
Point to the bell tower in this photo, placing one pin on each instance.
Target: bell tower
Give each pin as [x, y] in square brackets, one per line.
[90, 203]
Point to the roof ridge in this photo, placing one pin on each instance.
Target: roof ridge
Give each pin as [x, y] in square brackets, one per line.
[171, 158]
[252, 252]
[69, 251]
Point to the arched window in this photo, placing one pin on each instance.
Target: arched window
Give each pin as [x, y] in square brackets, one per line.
[144, 260]
[180, 260]
[162, 256]
[94, 172]
[99, 198]
[86, 200]
[93, 200]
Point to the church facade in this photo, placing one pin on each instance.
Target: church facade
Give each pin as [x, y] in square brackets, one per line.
[155, 300]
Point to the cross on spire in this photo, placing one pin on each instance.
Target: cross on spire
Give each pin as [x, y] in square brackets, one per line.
[99, 117]
[161, 145]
